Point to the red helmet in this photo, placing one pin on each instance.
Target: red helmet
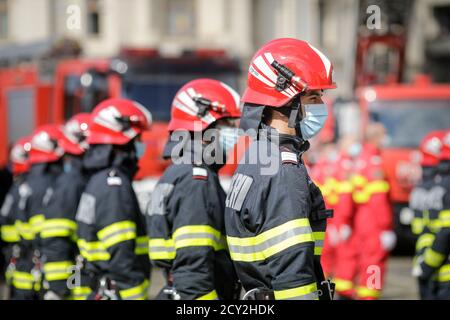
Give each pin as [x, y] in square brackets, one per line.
[282, 68]
[431, 148]
[19, 155]
[45, 144]
[201, 102]
[75, 133]
[445, 154]
[118, 121]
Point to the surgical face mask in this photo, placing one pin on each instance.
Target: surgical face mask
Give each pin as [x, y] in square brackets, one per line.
[67, 166]
[354, 150]
[140, 148]
[314, 120]
[228, 137]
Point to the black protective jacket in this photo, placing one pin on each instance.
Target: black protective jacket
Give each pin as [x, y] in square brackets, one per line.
[34, 193]
[276, 219]
[58, 234]
[110, 225]
[436, 258]
[185, 223]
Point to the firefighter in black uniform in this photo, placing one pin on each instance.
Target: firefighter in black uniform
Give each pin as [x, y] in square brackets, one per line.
[422, 224]
[185, 218]
[8, 212]
[433, 266]
[110, 225]
[58, 235]
[45, 159]
[275, 215]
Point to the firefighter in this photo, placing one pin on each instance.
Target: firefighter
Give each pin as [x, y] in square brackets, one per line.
[275, 215]
[58, 233]
[323, 174]
[346, 253]
[433, 266]
[372, 224]
[45, 160]
[185, 218]
[430, 148]
[110, 225]
[9, 234]
[337, 193]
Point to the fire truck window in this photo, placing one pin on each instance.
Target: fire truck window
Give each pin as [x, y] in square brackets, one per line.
[3, 19]
[20, 113]
[83, 98]
[407, 122]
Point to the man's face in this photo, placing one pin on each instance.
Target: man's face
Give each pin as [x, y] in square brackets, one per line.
[312, 97]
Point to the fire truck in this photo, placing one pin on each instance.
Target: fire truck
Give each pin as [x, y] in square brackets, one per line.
[30, 97]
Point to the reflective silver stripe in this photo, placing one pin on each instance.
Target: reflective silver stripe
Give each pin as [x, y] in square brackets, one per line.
[115, 233]
[202, 235]
[319, 243]
[270, 242]
[162, 249]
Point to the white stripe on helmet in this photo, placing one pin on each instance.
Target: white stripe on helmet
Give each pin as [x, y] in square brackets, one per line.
[325, 61]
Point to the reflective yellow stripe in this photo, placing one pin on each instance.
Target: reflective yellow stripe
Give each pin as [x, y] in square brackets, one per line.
[60, 270]
[443, 274]
[198, 235]
[319, 238]
[23, 280]
[364, 292]
[58, 228]
[25, 230]
[343, 285]
[270, 242]
[37, 222]
[93, 251]
[209, 296]
[136, 293]
[417, 225]
[161, 249]
[433, 258]
[444, 219]
[80, 293]
[344, 187]
[365, 189]
[424, 241]
[141, 245]
[308, 292]
[117, 232]
[10, 233]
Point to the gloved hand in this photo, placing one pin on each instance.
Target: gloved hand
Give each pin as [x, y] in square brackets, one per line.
[345, 231]
[388, 240]
[51, 295]
[417, 269]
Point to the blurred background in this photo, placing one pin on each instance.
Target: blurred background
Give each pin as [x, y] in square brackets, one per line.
[391, 65]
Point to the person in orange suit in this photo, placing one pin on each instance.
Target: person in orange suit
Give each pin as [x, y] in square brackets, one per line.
[372, 236]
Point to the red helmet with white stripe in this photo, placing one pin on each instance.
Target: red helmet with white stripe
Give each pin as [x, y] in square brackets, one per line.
[201, 102]
[45, 145]
[431, 148]
[118, 121]
[19, 155]
[75, 133]
[445, 154]
[283, 68]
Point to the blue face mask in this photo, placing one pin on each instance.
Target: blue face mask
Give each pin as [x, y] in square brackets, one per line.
[67, 166]
[314, 120]
[228, 138]
[140, 148]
